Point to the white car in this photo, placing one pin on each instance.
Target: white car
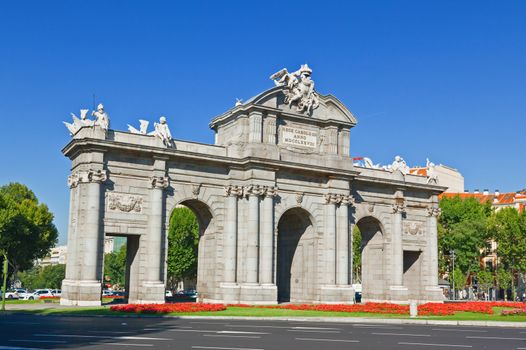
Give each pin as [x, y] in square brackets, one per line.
[10, 294]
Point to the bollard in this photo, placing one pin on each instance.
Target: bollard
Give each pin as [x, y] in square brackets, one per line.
[413, 309]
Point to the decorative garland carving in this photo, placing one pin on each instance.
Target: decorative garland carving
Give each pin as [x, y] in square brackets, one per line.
[125, 203]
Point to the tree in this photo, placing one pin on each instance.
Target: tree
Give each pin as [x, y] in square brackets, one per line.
[43, 277]
[357, 254]
[183, 241]
[508, 228]
[459, 279]
[115, 266]
[485, 280]
[463, 228]
[27, 231]
[503, 280]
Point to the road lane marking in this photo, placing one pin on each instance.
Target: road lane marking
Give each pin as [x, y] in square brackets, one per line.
[375, 326]
[329, 340]
[441, 345]
[192, 330]
[98, 337]
[123, 344]
[310, 331]
[404, 334]
[219, 348]
[494, 338]
[320, 328]
[458, 330]
[38, 341]
[254, 326]
[231, 336]
[239, 332]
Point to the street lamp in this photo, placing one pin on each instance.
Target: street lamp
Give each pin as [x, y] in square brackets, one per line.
[452, 255]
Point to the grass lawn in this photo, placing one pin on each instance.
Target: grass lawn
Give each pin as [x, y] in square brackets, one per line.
[257, 312]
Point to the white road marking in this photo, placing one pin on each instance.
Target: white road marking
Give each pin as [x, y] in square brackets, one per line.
[330, 340]
[321, 328]
[98, 337]
[219, 348]
[111, 332]
[253, 326]
[232, 336]
[442, 345]
[494, 338]
[310, 331]
[123, 344]
[404, 334]
[375, 326]
[192, 330]
[239, 332]
[38, 341]
[458, 330]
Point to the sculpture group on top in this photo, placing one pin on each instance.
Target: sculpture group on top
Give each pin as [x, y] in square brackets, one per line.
[161, 129]
[101, 119]
[399, 164]
[299, 88]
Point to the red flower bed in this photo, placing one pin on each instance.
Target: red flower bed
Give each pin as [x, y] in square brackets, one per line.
[428, 309]
[167, 308]
[49, 297]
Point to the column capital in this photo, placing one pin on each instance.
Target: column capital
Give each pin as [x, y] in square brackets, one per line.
[433, 211]
[347, 200]
[233, 191]
[159, 182]
[87, 176]
[254, 190]
[398, 208]
[271, 191]
[336, 198]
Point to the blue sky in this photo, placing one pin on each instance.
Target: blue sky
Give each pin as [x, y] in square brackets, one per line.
[438, 79]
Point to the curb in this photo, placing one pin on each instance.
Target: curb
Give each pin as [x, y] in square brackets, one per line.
[361, 320]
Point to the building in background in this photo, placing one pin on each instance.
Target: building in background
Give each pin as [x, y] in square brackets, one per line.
[57, 255]
[447, 176]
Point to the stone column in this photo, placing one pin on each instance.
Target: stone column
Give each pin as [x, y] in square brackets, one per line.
[267, 236]
[342, 242]
[397, 246]
[84, 269]
[433, 291]
[270, 129]
[155, 228]
[230, 237]
[330, 238]
[253, 234]
[256, 122]
[71, 268]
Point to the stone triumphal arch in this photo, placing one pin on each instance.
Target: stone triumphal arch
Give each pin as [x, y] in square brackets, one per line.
[276, 197]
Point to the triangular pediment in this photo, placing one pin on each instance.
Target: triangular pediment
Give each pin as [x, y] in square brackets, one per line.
[330, 108]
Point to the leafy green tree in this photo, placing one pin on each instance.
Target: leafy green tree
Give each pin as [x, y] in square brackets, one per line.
[115, 266]
[463, 228]
[503, 278]
[357, 254]
[27, 231]
[508, 228]
[485, 280]
[43, 277]
[459, 279]
[183, 241]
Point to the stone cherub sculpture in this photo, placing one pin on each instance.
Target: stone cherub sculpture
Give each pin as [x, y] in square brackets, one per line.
[400, 164]
[161, 130]
[299, 88]
[101, 119]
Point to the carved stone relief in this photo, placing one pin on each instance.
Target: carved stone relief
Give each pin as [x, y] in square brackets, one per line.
[124, 202]
[413, 228]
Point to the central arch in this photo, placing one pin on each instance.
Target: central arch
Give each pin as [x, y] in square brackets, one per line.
[206, 247]
[372, 253]
[296, 256]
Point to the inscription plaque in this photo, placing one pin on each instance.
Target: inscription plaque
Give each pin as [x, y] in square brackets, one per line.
[299, 137]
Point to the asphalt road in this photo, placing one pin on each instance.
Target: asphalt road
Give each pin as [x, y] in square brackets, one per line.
[26, 332]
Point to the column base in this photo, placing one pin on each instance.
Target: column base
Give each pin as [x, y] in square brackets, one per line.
[398, 295]
[434, 294]
[150, 293]
[230, 293]
[258, 294]
[337, 294]
[81, 293]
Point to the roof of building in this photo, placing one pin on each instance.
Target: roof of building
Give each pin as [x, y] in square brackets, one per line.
[496, 199]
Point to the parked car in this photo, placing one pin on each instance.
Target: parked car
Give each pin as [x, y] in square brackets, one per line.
[43, 293]
[28, 296]
[10, 294]
[168, 294]
[56, 292]
[107, 293]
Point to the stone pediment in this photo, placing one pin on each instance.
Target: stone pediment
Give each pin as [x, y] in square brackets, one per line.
[330, 108]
